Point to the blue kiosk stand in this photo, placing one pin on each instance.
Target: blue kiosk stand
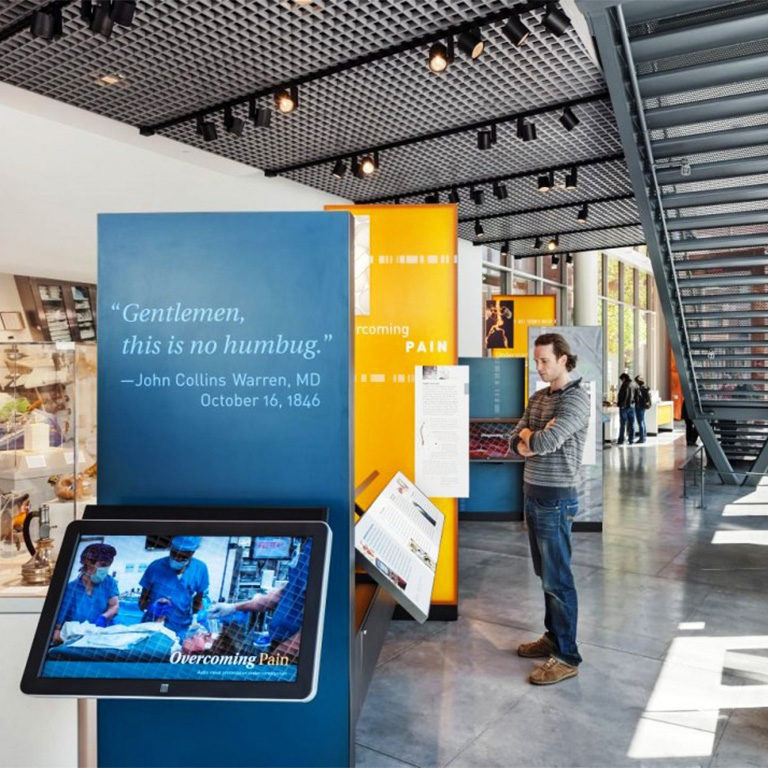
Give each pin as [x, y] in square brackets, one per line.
[225, 347]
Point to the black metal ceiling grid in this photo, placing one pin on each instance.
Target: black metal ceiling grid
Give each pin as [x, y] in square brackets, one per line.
[616, 214]
[456, 159]
[12, 11]
[609, 238]
[596, 180]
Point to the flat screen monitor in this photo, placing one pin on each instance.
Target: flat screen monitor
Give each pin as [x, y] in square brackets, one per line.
[183, 609]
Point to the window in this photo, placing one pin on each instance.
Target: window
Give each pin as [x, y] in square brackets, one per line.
[611, 330]
[613, 278]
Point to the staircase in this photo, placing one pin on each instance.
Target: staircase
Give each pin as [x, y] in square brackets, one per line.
[689, 84]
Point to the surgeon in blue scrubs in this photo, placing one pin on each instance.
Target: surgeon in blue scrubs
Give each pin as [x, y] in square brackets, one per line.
[179, 581]
[284, 626]
[93, 595]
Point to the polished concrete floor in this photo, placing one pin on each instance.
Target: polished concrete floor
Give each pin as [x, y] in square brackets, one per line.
[673, 628]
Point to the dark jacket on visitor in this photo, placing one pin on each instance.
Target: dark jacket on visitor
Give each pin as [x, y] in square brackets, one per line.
[627, 394]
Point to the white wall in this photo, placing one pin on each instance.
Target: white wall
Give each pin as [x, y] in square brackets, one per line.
[60, 166]
[470, 299]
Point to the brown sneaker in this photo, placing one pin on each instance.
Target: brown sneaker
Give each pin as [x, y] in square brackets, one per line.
[538, 649]
[552, 671]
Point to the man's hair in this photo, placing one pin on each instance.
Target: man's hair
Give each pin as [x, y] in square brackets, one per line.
[639, 379]
[560, 347]
[624, 377]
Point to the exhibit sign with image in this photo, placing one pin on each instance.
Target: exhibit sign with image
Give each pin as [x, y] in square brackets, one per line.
[219, 387]
[442, 430]
[406, 316]
[508, 318]
[586, 342]
[398, 544]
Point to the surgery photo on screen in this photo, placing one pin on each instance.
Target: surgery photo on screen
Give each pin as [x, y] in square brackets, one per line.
[182, 608]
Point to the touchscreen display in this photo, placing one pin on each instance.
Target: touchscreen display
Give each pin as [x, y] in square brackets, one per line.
[181, 608]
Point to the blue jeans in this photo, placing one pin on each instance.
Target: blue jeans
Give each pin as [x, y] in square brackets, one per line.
[640, 416]
[549, 533]
[627, 421]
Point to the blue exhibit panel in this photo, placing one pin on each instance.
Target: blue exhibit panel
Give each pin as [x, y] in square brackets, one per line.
[495, 488]
[224, 380]
[496, 386]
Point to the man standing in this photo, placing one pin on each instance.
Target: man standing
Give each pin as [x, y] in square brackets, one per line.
[642, 404]
[626, 397]
[550, 436]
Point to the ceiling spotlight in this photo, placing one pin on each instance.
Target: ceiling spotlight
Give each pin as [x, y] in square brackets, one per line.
[500, 190]
[354, 167]
[122, 12]
[476, 195]
[369, 164]
[453, 196]
[484, 139]
[206, 129]
[101, 19]
[470, 42]
[47, 23]
[505, 249]
[339, 169]
[569, 258]
[572, 178]
[553, 243]
[569, 119]
[440, 56]
[555, 20]
[515, 31]
[537, 243]
[555, 260]
[583, 214]
[525, 130]
[432, 198]
[261, 116]
[287, 99]
[479, 231]
[546, 181]
[232, 124]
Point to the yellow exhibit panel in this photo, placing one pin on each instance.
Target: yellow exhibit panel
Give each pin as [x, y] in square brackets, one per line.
[405, 307]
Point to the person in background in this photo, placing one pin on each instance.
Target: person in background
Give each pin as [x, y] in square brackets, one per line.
[691, 433]
[626, 403]
[179, 582]
[550, 436]
[93, 595]
[642, 404]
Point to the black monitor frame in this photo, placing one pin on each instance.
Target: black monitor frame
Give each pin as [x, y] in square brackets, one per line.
[305, 685]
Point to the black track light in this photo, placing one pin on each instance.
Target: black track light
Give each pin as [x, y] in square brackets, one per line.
[206, 129]
[515, 31]
[354, 167]
[479, 231]
[555, 260]
[505, 249]
[569, 258]
[47, 23]
[440, 56]
[470, 42]
[339, 169]
[553, 242]
[261, 116]
[287, 99]
[569, 119]
[555, 20]
[453, 196]
[484, 139]
[572, 178]
[537, 243]
[432, 198]
[500, 191]
[232, 124]
[123, 11]
[101, 19]
[86, 11]
[525, 130]
[583, 214]
[369, 164]
[476, 195]
[546, 181]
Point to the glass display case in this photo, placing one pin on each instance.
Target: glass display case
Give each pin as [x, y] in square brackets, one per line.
[47, 445]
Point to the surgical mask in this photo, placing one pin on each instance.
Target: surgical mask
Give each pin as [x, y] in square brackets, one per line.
[99, 575]
[179, 565]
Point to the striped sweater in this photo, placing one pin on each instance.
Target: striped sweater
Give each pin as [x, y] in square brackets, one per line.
[553, 473]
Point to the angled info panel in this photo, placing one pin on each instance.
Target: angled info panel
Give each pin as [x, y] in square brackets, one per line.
[224, 379]
[408, 318]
